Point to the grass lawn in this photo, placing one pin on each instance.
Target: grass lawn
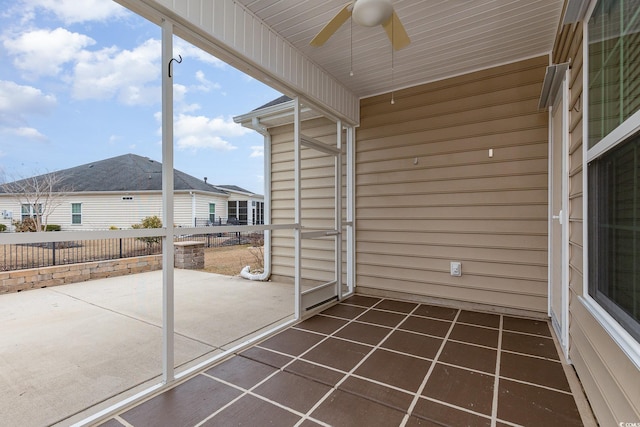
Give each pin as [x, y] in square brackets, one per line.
[229, 260]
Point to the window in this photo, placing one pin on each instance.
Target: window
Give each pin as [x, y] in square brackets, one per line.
[76, 213]
[30, 211]
[212, 213]
[232, 212]
[242, 212]
[237, 211]
[614, 160]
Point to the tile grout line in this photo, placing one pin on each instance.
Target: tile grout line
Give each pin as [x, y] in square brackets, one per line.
[496, 380]
[416, 397]
[246, 392]
[348, 374]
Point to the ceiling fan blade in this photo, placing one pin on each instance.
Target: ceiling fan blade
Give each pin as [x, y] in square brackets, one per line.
[332, 26]
[396, 32]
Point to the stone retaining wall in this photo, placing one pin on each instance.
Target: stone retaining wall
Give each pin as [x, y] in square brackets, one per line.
[33, 278]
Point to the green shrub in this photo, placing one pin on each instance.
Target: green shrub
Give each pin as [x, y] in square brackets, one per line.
[3, 228]
[149, 222]
[53, 227]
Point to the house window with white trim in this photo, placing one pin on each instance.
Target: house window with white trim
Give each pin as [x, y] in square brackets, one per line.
[76, 213]
[30, 211]
[614, 160]
[212, 213]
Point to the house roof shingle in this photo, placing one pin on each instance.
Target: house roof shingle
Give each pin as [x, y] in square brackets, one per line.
[128, 172]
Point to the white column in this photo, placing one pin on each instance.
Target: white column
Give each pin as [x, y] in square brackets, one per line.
[297, 209]
[167, 205]
[351, 189]
[338, 206]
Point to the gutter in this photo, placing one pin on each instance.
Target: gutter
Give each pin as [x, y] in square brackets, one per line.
[262, 130]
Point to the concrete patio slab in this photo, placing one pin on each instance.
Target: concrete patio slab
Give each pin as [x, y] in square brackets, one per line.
[66, 348]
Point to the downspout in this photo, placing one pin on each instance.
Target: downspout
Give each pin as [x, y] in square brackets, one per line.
[264, 276]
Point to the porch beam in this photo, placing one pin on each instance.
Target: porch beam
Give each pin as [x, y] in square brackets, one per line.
[214, 27]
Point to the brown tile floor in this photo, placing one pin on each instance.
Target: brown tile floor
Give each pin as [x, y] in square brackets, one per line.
[379, 362]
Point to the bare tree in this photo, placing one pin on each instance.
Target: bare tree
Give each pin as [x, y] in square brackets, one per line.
[40, 194]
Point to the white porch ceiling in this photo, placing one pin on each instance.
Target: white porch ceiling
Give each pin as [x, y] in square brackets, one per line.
[448, 37]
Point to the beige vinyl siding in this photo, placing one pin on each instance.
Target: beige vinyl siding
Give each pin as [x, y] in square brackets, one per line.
[317, 200]
[609, 378]
[428, 193]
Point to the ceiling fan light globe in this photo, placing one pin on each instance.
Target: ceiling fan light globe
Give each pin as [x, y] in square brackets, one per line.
[370, 13]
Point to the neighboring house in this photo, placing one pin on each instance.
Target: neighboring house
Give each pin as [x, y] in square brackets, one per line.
[244, 206]
[121, 191]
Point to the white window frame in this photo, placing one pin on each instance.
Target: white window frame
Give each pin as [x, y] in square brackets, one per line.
[627, 343]
[73, 214]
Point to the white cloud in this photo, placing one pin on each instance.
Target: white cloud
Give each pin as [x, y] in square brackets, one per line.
[124, 74]
[195, 132]
[29, 133]
[257, 151]
[17, 102]
[72, 11]
[205, 85]
[44, 52]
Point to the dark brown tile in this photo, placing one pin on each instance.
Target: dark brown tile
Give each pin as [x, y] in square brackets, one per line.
[344, 311]
[364, 333]
[399, 370]
[338, 354]
[477, 318]
[412, 343]
[292, 341]
[469, 356]
[419, 422]
[538, 327]
[250, 410]
[241, 372]
[322, 324]
[362, 300]
[383, 318]
[438, 328]
[475, 335]
[443, 415]
[112, 423]
[309, 423]
[292, 391]
[435, 311]
[460, 387]
[535, 406]
[314, 372]
[378, 393]
[176, 407]
[398, 306]
[267, 357]
[529, 344]
[344, 409]
[533, 370]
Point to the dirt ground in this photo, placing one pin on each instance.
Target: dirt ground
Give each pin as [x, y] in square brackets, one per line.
[229, 260]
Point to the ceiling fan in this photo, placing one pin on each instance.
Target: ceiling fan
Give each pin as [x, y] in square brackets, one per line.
[367, 13]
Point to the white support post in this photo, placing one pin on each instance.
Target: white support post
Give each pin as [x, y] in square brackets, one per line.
[338, 206]
[351, 179]
[297, 209]
[168, 374]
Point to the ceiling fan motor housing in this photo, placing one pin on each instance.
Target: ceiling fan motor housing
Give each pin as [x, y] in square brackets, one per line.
[370, 13]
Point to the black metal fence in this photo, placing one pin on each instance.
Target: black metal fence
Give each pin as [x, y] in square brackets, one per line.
[33, 255]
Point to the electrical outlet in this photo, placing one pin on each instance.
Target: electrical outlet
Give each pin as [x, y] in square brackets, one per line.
[456, 268]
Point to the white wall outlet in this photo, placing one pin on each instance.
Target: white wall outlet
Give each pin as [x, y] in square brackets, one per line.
[456, 268]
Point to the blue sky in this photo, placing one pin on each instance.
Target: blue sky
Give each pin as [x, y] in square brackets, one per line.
[82, 83]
